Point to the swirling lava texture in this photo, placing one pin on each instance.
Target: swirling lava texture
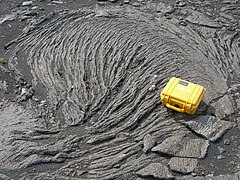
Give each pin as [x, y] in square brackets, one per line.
[96, 71]
[98, 64]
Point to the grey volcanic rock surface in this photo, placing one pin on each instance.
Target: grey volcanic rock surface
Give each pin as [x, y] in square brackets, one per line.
[183, 165]
[80, 85]
[156, 170]
[210, 127]
[148, 143]
[223, 107]
[182, 146]
[220, 177]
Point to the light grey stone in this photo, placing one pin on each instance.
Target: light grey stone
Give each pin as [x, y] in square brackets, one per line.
[183, 165]
[57, 2]
[197, 18]
[34, 8]
[148, 142]
[210, 127]
[227, 177]
[238, 102]
[156, 170]
[221, 150]
[194, 174]
[191, 178]
[226, 141]
[9, 17]
[234, 88]
[181, 4]
[181, 146]
[4, 177]
[27, 3]
[219, 157]
[101, 13]
[223, 107]
[136, 4]
[113, 1]
[220, 177]
[152, 87]
[26, 93]
[163, 8]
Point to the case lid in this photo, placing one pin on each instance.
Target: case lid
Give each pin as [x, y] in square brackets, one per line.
[184, 91]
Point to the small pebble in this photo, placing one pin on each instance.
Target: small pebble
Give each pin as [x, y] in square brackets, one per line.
[193, 174]
[27, 3]
[28, 85]
[57, 2]
[24, 91]
[183, 23]
[221, 150]
[155, 76]
[181, 4]
[237, 94]
[221, 157]
[226, 141]
[35, 98]
[152, 88]
[136, 4]
[34, 8]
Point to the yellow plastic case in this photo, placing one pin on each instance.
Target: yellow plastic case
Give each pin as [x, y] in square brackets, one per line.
[182, 96]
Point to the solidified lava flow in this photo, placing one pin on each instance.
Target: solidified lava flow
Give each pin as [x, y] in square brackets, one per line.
[101, 77]
[106, 64]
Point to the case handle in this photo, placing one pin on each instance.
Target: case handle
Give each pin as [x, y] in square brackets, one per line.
[174, 108]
